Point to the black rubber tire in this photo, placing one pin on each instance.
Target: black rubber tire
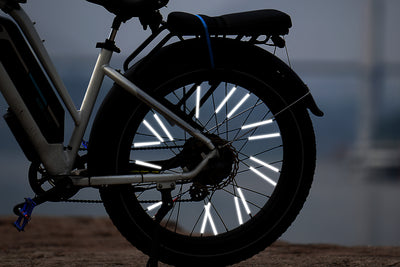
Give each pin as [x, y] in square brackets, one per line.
[121, 114]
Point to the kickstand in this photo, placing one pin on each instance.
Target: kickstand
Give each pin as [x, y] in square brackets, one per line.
[166, 206]
[152, 262]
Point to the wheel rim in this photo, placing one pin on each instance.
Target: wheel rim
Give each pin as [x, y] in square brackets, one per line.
[242, 120]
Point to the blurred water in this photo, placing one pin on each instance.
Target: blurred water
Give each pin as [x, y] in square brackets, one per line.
[349, 204]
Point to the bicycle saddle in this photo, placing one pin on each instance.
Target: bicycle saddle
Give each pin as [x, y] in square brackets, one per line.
[259, 22]
[130, 8]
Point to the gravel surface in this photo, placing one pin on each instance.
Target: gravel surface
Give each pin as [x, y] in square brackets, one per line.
[85, 241]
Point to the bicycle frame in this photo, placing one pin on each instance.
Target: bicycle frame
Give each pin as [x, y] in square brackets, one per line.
[59, 159]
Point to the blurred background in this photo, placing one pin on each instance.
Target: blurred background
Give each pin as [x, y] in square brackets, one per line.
[345, 51]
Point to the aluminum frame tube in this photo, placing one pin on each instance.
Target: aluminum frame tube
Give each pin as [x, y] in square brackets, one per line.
[142, 178]
[151, 102]
[35, 42]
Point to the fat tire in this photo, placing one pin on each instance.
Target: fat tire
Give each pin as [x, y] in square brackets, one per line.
[108, 144]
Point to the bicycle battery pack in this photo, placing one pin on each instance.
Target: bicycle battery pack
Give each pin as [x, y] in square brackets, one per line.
[31, 83]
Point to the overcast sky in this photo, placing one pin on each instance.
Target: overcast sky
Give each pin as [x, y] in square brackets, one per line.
[322, 29]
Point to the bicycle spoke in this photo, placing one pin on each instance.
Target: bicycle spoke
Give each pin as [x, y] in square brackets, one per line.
[233, 114]
[233, 117]
[179, 209]
[214, 115]
[256, 160]
[251, 133]
[253, 204]
[205, 97]
[248, 115]
[188, 94]
[268, 150]
[197, 221]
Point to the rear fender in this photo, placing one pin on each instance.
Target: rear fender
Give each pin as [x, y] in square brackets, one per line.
[192, 56]
[227, 53]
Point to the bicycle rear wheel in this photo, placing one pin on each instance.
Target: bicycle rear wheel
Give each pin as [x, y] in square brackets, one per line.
[245, 200]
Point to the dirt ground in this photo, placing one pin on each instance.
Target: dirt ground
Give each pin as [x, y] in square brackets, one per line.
[79, 241]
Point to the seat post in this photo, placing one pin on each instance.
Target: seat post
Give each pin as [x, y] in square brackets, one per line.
[114, 28]
[109, 44]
